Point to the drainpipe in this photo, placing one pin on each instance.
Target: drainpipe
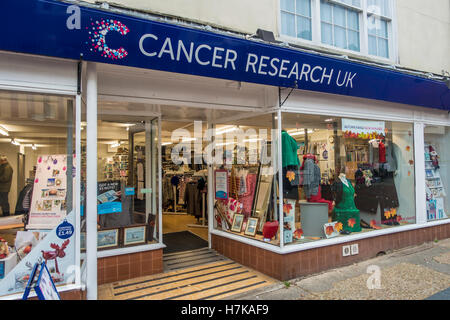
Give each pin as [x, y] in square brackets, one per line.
[91, 181]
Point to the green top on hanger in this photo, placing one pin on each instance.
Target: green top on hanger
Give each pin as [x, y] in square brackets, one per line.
[289, 150]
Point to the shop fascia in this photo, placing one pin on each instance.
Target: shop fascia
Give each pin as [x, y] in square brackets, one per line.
[203, 54]
[218, 140]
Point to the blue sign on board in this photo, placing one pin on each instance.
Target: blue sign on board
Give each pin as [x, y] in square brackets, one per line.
[64, 230]
[54, 28]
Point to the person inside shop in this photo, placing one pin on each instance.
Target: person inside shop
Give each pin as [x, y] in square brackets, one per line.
[6, 174]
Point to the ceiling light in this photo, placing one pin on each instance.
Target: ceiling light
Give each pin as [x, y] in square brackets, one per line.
[300, 133]
[329, 120]
[14, 142]
[166, 143]
[188, 139]
[33, 146]
[226, 130]
[116, 144]
[3, 131]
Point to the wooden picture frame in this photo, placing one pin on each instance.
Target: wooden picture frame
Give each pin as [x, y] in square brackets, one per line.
[134, 235]
[251, 227]
[238, 220]
[108, 239]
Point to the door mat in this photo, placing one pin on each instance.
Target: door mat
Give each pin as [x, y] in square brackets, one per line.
[182, 241]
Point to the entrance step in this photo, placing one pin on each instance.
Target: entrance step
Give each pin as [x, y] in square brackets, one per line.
[192, 258]
[210, 281]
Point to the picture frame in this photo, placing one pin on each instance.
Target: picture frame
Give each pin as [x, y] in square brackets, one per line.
[108, 239]
[134, 235]
[238, 220]
[251, 227]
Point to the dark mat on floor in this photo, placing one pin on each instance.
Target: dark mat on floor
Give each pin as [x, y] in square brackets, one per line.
[182, 241]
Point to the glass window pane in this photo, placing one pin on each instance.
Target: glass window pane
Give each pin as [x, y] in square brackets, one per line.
[353, 40]
[383, 48]
[325, 12]
[340, 38]
[287, 5]
[437, 172]
[382, 30]
[372, 45]
[327, 34]
[304, 7]
[352, 20]
[288, 24]
[304, 28]
[372, 24]
[339, 16]
[352, 165]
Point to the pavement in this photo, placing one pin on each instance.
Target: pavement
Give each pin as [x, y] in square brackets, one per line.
[414, 273]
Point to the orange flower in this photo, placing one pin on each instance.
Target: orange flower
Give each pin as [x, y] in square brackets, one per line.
[338, 226]
[351, 222]
[329, 230]
[287, 207]
[290, 175]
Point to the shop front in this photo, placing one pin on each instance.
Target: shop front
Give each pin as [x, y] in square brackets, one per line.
[287, 162]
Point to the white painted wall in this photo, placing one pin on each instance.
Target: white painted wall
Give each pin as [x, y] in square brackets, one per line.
[240, 16]
[424, 34]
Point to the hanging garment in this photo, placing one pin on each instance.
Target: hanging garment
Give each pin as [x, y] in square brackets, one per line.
[289, 150]
[193, 200]
[345, 210]
[311, 177]
[381, 153]
[247, 198]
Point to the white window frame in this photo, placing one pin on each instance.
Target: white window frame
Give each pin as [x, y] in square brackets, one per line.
[295, 19]
[316, 42]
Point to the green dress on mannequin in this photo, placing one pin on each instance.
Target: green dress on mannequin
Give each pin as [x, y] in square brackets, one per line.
[345, 211]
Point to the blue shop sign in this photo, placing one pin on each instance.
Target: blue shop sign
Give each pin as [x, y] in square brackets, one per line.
[65, 30]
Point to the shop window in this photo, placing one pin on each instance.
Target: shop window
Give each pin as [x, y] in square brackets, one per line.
[437, 172]
[37, 166]
[245, 181]
[127, 177]
[345, 176]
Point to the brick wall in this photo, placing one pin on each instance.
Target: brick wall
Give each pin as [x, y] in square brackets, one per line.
[306, 262]
[128, 266]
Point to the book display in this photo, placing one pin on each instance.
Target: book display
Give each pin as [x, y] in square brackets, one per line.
[435, 190]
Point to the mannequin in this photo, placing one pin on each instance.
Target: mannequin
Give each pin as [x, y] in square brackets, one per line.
[345, 210]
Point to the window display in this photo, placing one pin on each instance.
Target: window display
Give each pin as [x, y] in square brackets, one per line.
[36, 187]
[436, 172]
[127, 187]
[344, 176]
[246, 196]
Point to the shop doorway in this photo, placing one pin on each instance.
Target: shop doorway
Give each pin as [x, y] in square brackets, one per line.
[184, 196]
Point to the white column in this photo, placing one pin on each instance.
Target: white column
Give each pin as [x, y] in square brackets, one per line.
[210, 185]
[279, 169]
[91, 182]
[77, 187]
[419, 155]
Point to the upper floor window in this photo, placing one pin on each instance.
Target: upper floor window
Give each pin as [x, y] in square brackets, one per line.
[378, 24]
[339, 26]
[363, 26]
[296, 18]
